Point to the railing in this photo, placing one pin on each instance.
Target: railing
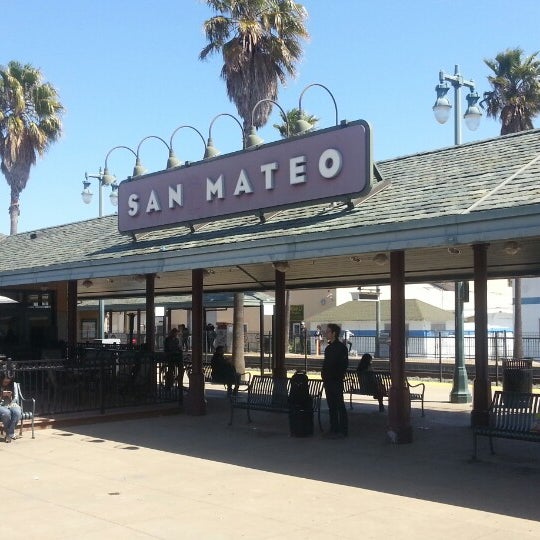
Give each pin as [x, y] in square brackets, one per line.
[100, 380]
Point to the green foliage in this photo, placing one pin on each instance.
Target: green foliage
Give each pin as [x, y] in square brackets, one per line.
[515, 94]
[290, 122]
[259, 41]
[30, 120]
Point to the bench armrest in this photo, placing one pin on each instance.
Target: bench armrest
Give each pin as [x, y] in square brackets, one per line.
[417, 386]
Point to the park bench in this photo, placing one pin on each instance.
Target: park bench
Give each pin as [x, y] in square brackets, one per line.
[512, 415]
[28, 407]
[269, 394]
[377, 384]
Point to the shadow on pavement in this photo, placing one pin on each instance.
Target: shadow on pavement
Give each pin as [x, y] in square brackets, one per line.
[436, 467]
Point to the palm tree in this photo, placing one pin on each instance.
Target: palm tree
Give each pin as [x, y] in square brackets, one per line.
[29, 122]
[260, 44]
[515, 101]
[291, 119]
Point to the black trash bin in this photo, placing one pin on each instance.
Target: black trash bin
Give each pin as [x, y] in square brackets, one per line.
[517, 376]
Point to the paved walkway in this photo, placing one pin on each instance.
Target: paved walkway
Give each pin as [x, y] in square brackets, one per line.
[183, 477]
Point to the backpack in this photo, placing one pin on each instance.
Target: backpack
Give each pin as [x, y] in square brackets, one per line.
[299, 397]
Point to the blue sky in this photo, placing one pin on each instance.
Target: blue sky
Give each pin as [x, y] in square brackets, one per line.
[128, 69]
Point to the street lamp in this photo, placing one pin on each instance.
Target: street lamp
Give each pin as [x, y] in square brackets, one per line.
[302, 124]
[211, 150]
[442, 106]
[253, 140]
[104, 178]
[460, 388]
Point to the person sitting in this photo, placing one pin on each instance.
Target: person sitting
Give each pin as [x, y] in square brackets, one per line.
[368, 381]
[223, 371]
[365, 363]
[10, 411]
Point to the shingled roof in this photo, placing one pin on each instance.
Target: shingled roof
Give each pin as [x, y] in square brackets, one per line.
[364, 311]
[486, 191]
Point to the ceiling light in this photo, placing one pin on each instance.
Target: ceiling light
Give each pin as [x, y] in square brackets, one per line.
[380, 259]
[511, 247]
[87, 283]
[454, 250]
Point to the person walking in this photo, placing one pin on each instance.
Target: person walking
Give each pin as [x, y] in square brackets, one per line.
[335, 364]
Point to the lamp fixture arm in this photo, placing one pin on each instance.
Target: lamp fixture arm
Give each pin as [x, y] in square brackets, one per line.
[186, 126]
[235, 119]
[331, 95]
[115, 148]
[278, 106]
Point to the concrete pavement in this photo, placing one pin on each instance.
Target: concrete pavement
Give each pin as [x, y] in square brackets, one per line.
[178, 476]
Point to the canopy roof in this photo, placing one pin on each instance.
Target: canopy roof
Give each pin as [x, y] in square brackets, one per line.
[433, 205]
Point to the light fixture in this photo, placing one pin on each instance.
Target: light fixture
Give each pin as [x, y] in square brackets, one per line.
[173, 161]
[208, 271]
[253, 140]
[303, 125]
[454, 250]
[355, 259]
[86, 193]
[511, 247]
[442, 106]
[210, 150]
[473, 114]
[380, 259]
[281, 266]
[87, 283]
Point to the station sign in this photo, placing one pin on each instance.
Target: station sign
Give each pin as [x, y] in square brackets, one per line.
[326, 165]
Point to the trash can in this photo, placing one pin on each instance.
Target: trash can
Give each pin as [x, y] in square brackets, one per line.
[517, 375]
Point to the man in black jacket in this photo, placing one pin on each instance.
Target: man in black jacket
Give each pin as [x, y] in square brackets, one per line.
[336, 362]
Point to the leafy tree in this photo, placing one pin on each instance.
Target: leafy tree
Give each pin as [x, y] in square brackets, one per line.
[29, 122]
[260, 43]
[515, 101]
[291, 119]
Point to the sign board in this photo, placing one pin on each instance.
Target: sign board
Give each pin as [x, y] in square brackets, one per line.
[330, 164]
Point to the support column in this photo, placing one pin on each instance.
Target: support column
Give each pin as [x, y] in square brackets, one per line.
[399, 405]
[150, 312]
[460, 388]
[195, 402]
[72, 319]
[279, 370]
[131, 327]
[482, 387]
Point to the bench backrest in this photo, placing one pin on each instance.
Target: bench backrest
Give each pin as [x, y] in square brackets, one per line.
[368, 382]
[514, 411]
[268, 391]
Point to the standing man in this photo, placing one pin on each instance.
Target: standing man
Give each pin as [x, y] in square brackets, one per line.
[336, 362]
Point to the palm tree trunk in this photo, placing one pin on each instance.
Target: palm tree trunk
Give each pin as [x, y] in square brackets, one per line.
[518, 325]
[13, 217]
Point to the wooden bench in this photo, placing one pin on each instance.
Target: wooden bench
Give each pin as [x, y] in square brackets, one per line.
[28, 408]
[512, 415]
[377, 384]
[266, 393]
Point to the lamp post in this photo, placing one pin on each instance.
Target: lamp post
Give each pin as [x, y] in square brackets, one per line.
[460, 388]
[104, 178]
